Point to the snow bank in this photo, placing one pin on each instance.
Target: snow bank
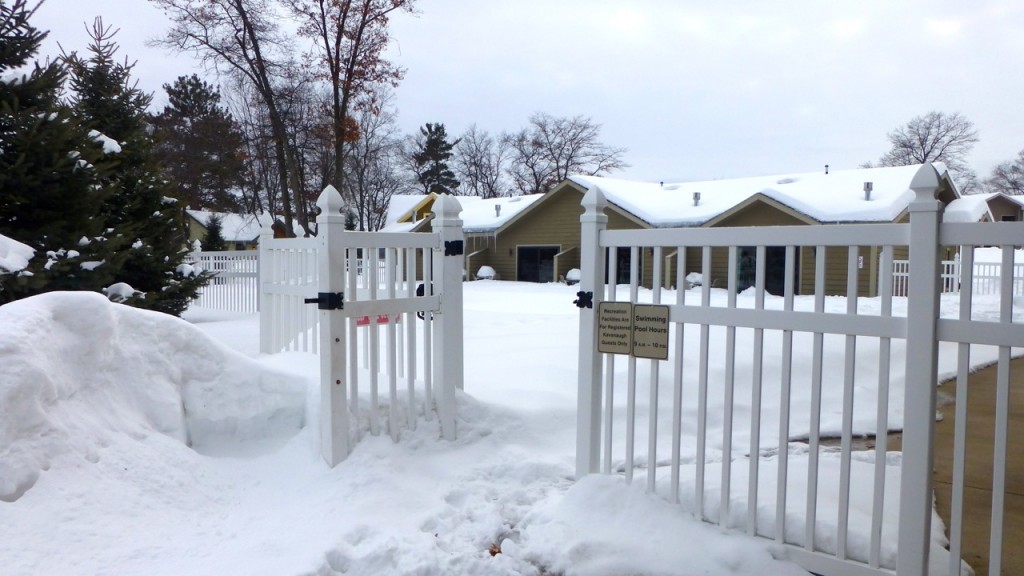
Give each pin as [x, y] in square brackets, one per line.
[80, 373]
[586, 533]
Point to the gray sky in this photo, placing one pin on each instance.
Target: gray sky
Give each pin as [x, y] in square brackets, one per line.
[694, 89]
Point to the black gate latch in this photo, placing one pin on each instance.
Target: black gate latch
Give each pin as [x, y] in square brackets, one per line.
[328, 301]
[453, 248]
[584, 300]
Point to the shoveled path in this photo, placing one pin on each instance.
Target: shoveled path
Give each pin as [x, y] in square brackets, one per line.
[981, 418]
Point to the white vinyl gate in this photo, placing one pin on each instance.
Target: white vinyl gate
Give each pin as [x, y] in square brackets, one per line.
[817, 532]
[390, 311]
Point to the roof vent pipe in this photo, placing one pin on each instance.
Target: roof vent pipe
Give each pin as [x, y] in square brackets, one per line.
[868, 187]
[826, 168]
[696, 198]
[497, 210]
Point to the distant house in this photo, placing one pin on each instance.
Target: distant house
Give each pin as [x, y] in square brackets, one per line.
[540, 242]
[991, 207]
[240, 231]
[485, 223]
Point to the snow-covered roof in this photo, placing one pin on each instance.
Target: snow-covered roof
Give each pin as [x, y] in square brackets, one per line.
[487, 215]
[14, 255]
[400, 204]
[479, 215]
[234, 227]
[837, 196]
[970, 208]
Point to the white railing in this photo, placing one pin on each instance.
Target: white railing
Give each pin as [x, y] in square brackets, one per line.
[775, 475]
[235, 284]
[985, 277]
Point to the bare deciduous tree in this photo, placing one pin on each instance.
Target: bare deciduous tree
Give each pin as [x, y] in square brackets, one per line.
[480, 161]
[932, 137]
[243, 37]
[372, 173]
[551, 149]
[350, 36]
[1008, 177]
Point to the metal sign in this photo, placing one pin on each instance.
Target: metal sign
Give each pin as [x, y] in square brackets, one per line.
[650, 331]
[614, 327]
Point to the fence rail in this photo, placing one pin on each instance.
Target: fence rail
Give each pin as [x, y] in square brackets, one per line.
[860, 372]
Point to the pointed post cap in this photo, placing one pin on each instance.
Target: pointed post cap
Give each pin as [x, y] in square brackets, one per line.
[330, 201]
[594, 204]
[446, 207]
[925, 185]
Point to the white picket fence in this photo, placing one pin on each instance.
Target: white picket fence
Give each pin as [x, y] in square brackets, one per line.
[985, 278]
[815, 530]
[235, 284]
[289, 273]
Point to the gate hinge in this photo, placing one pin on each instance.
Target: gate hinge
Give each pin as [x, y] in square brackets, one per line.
[453, 248]
[584, 300]
[328, 301]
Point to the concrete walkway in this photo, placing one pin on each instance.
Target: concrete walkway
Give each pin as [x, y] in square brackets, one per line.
[981, 417]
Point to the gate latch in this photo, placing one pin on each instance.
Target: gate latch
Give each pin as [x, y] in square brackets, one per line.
[328, 301]
[584, 300]
[453, 248]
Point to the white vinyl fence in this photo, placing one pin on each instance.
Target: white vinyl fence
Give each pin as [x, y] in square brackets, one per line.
[713, 467]
[235, 284]
[985, 278]
[288, 274]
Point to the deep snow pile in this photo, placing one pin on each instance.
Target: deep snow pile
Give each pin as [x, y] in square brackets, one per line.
[80, 375]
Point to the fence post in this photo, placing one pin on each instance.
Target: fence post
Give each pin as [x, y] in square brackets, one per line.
[447, 323]
[265, 271]
[334, 417]
[588, 397]
[920, 376]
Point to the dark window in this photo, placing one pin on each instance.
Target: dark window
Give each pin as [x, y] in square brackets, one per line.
[622, 263]
[774, 269]
[536, 263]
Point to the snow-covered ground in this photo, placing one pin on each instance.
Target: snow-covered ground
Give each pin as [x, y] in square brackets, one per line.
[135, 443]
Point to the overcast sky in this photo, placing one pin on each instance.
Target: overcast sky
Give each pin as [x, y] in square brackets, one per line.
[693, 89]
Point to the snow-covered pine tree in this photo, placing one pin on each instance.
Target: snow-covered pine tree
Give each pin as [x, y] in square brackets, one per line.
[143, 208]
[52, 172]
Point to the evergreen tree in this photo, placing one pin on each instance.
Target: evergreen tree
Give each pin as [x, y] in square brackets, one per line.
[431, 161]
[200, 146]
[213, 241]
[52, 173]
[141, 209]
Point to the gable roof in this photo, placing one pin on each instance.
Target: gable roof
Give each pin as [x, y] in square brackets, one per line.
[837, 196]
[402, 207]
[479, 215]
